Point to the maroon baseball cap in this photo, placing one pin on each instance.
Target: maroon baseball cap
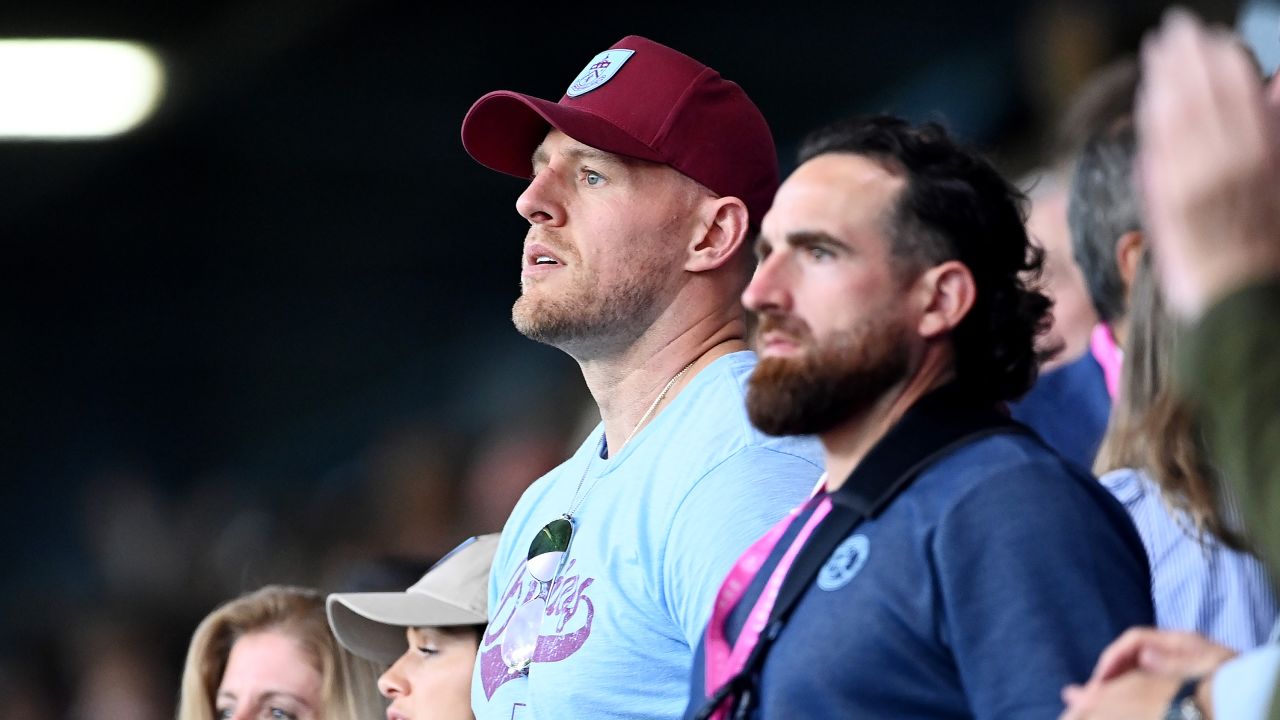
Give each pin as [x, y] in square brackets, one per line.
[643, 100]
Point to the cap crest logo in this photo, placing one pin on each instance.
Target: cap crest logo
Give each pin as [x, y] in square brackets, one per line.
[599, 71]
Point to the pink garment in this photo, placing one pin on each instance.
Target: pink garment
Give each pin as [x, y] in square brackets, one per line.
[1102, 344]
[722, 660]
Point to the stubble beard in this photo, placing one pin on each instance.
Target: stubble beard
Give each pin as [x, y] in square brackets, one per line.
[589, 317]
[829, 383]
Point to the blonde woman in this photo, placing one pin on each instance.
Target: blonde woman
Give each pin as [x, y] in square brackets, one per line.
[1203, 577]
[269, 654]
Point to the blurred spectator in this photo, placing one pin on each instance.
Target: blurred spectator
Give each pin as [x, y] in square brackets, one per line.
[226, 533]
[1152, 459]
[1073, 315]
[412, 479]
[119, 673]
[131, 532]
[31, 686]
[506, 461]
[1069, 406]
[1210, 158]
[270, 653]
[1105, 97]
[1070, 403]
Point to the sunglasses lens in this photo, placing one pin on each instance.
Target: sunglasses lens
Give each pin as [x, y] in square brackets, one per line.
[521, 637]
[547, 548]
[545, 552]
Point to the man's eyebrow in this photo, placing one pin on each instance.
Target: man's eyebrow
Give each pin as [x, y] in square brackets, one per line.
[540, 157]
[801, 238]
[579, 154]
[805, 238]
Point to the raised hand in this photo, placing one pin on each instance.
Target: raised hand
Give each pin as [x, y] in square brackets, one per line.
[1209, 161]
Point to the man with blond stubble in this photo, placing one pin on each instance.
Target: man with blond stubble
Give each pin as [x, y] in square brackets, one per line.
[646, 182]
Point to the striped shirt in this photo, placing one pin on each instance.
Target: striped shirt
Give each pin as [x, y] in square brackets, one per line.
[1197, 583]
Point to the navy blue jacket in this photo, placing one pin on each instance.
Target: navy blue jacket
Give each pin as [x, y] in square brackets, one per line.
[994, 579]
[1069, 407]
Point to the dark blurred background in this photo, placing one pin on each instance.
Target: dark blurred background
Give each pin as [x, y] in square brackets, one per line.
[264, 337]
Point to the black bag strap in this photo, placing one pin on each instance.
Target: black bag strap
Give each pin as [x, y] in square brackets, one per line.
[933, 428]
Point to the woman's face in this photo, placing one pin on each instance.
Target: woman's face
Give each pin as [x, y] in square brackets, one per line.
[432, 680]
[268, 675]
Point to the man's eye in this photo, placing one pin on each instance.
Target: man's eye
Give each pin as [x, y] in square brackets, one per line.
[819, 253]
[593, 179]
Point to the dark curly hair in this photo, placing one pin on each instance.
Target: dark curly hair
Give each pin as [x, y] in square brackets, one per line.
[956, 206]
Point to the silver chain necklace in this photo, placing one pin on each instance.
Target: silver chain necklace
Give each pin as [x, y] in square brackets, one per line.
[576, 503]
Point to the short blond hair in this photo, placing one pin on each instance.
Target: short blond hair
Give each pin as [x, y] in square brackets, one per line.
[348, 683]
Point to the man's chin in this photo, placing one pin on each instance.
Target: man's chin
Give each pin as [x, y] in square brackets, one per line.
[784, 424]
[776, 368]
[789, 396]
[552, 323]
[777, 396]
[534, 320]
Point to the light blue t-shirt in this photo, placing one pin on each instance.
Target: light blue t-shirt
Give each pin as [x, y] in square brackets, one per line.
[661, 524]
[1205, 587]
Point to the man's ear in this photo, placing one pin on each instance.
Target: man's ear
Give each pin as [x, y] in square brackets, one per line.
[1128, 255]
[720, 233]
[947, 293]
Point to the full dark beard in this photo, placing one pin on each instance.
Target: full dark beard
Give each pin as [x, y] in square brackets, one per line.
[829, 384]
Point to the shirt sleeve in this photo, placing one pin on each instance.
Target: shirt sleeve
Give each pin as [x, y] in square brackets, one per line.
[1037, 573]
[1243, 687]
[1197, 583]
[729, 508]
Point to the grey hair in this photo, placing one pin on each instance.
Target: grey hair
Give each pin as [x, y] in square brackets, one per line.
[1103, 206]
